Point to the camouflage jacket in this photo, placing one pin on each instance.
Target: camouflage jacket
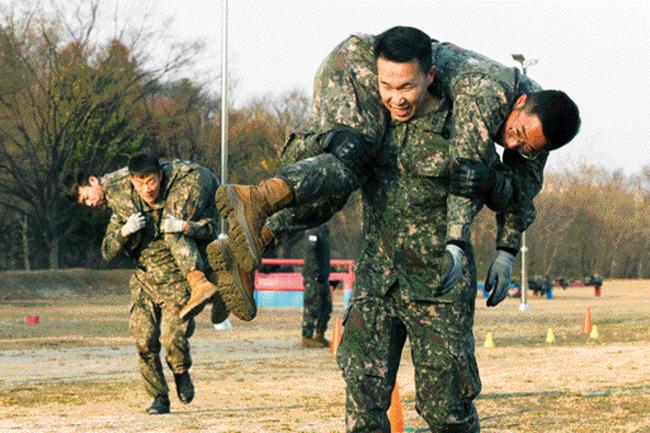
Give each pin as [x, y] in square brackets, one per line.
[148, 247]
[482, 93]
[405, 208]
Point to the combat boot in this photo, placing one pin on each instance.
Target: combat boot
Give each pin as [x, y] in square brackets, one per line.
[159, 406]
[200, 291]
[184, 387]
[236, 285]
[219, 311]
[246, 207]
[310, 343]
[320, 338]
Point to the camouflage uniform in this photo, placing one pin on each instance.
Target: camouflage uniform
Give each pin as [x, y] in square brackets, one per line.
[482, 93]
[315, 273]
[159, 287]
[402, 262]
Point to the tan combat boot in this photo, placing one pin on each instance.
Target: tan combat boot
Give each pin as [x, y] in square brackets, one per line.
[219, 311]
[320, 338]
[247, 208]
[310, 343]
[236, 285]
[200, 291]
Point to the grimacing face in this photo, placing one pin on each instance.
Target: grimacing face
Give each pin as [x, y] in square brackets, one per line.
[403, 87]
[523, 131]
[147, 186]
[91, 195]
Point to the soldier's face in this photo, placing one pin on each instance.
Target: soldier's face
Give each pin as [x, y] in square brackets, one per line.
[91, 195]
[147, 186]
[403, 87]
[523, 131]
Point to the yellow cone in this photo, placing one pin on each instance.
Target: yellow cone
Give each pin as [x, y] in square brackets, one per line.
[594, 335]
[489, 341]
[550, 336]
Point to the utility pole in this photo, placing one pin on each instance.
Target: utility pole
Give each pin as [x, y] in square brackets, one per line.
[523, 304]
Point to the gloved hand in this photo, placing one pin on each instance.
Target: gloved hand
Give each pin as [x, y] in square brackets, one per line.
[454, 257]
[498, 278]
[134, 223]
[473, 179]
[171, 224]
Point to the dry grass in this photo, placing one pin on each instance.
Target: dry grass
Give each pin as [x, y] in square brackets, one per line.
[76, 370]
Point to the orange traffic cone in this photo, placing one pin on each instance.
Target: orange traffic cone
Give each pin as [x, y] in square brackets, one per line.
[587, 322]
[337, 333]
[395, 412]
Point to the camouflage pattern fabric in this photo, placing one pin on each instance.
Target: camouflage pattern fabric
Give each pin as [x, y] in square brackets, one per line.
[187, 192]
[345, 95]
[159, 288]
[154, 322]
[482, 92]
[402, 260]
[317, 305]
[317, 308]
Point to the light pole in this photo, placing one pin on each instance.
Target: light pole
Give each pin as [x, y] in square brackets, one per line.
[523, 304]
[224, 102]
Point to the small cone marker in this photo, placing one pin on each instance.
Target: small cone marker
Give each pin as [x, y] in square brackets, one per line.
[489, 341]
[395, 412]
[550, 336]
[337, 332]
[594, 335]
[587, 321]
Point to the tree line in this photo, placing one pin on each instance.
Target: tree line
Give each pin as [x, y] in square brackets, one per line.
[69, 101]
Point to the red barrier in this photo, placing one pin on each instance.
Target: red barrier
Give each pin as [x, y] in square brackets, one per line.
[292, 281]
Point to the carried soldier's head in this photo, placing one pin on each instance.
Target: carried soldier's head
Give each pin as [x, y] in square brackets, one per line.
[404, 71]
[84, 188]
[539, 121]
[145, 174]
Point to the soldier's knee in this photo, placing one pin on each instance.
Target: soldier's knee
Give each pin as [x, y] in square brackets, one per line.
[299, 146]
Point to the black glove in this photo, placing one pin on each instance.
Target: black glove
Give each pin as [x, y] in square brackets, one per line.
[499, 276]
[351, 148]
[473, 179]
[454, 271]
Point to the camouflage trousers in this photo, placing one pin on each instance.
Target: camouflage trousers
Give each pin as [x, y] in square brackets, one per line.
[321, 186]
[317, 307]
[442, 350]
[345, 95]
[154, 323]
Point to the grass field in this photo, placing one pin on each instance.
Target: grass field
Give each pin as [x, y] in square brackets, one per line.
[76, 370]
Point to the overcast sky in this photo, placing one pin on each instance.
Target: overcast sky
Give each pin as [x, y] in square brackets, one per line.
[597, 52]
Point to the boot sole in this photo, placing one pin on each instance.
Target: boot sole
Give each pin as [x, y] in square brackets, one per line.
[234, 294]
[240, 234]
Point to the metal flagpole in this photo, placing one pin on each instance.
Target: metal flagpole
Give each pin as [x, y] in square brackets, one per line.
[224, 101]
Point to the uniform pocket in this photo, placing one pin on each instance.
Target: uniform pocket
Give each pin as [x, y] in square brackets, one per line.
[364, 347]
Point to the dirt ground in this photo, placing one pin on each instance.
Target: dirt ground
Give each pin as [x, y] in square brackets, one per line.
[76, 370]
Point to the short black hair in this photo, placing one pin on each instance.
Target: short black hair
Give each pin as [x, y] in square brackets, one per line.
[73, 181]
[143, 164]
[558, 114]
[404, 44]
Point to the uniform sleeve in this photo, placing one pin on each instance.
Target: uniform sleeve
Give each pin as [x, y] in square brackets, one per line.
[479, 109]
[528, 178]
[346, 95]
[113, 242]
[192, 200]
